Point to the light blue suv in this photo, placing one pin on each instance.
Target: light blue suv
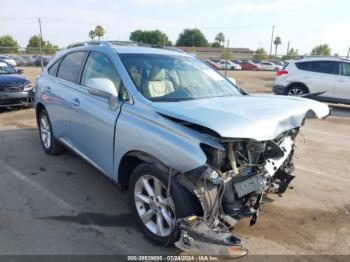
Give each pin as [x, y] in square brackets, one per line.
[196, 152]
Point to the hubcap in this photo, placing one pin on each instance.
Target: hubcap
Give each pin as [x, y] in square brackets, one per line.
[45, 132]
[153, 205]
[295, 92]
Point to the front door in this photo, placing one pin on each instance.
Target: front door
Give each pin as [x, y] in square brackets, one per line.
[342, 82]
[92, 120]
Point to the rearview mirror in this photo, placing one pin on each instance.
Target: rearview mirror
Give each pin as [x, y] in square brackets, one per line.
[103, 87]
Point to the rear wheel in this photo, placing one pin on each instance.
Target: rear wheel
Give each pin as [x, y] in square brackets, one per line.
[47, 138]
[296, 90]
[155, 207]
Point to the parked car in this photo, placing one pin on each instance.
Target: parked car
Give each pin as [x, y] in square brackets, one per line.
[8, 60]
[225, 64]
[212, 64]
[15, 89]
[195, 152]
[248, 65]
[46, 60]
[328, 76]
[269, 66]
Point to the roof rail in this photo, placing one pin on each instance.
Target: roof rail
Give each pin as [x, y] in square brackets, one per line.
[122, 43]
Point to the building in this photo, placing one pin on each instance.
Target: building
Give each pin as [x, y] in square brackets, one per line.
[216, 52]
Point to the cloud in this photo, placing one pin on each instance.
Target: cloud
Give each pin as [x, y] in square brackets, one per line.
[155, 2]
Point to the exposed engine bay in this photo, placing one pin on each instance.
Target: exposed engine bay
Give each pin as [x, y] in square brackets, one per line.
[232, 185]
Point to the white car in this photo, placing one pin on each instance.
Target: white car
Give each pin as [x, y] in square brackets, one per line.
[8, 60]
[223, 64]
[331, 76]
[269, 66]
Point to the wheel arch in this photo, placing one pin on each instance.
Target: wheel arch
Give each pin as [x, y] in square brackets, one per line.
[38, 108]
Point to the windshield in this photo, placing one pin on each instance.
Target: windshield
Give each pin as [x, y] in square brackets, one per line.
[164, 78]
[5, 69]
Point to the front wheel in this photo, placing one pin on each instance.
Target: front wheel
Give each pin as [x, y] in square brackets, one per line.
[155, 207]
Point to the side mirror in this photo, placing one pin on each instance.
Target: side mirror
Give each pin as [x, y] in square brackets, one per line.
[232, 80]
[20, 71]
[103, 87]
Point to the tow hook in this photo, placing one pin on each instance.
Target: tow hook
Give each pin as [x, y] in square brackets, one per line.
[198, 238]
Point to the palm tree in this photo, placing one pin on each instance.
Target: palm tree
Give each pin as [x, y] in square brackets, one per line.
[99, 31]
[277, 42]
[220, 38]
[92, 34]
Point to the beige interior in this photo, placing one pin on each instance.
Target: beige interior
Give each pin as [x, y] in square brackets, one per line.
[158, 86]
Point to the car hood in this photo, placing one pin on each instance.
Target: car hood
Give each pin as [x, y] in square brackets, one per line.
[261, 118]
[12, 80]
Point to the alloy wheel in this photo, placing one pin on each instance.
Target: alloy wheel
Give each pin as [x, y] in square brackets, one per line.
[154, 207]
[45, 131]
[295, 92]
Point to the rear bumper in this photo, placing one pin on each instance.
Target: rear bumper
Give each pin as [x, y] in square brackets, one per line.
[279, 89]
[16, 98]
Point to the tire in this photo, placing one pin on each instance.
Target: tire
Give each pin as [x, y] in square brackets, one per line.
[296, 90]
[47, 138]
[157, 211]
[232, 68]
[276, 68]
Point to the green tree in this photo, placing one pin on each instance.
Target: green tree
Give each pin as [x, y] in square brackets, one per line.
[322, 49]
[192, 37]
[260, 54]
[292, 54]
[8, 44]
[153, 37]
[92, 34]
[33, 46]
[220, 39]
[277, 42]
[99, 31]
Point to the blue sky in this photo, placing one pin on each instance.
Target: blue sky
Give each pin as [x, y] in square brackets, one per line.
[247, 23]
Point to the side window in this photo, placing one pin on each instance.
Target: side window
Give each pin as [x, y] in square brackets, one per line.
[54, 68]
[99, 66]
[302, 65]
[326, 67]
[70, 67]
[345, 69]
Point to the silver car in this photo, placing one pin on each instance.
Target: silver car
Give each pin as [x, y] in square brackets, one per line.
[196, 152]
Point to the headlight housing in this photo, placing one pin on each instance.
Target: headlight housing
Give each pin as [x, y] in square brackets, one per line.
[28, 87]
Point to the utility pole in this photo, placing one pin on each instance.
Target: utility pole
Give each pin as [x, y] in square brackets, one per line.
[227, 54]
[347, 57]
[40, 46]
[273, 29]
[288, 47]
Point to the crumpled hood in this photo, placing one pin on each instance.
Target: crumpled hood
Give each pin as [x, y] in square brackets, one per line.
[13, 80]
[262, 117]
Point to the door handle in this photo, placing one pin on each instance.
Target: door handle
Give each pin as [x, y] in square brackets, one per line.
[76, 102]
[47, 90]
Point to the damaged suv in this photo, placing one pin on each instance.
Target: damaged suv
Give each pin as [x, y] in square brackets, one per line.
[196, 152]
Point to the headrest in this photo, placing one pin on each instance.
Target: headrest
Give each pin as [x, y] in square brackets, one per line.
[157, 74]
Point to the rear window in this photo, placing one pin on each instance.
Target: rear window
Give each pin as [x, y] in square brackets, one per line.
[71, 66]
[326, 67]
[54, 68]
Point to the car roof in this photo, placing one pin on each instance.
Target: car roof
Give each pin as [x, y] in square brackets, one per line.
[324, 58]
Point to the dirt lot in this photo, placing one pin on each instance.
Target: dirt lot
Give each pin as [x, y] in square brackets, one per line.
[260, 82]
[61, 205]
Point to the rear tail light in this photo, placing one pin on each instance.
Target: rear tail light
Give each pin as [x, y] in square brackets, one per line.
[282, 72]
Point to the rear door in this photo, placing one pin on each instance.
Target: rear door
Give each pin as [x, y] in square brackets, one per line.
[63, 75]
[92, 120]
[342, 82]
[318, 76]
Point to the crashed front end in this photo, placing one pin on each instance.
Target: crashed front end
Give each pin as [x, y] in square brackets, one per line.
[231, 185]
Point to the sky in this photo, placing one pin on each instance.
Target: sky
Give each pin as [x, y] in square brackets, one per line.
[246, 23]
